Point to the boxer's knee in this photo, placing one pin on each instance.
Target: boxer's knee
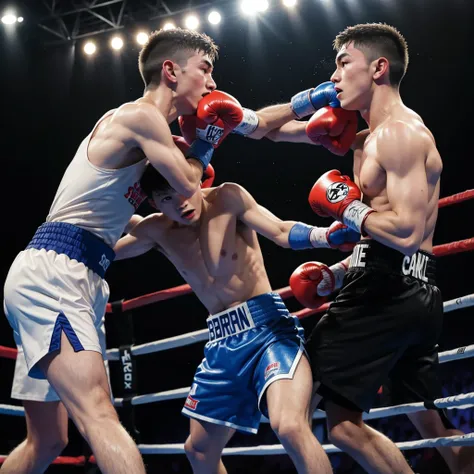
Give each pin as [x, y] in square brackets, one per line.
[189, 449]
[95, 410]
[197, 453]
[53, 447]
[49, 446]
[345, 434]
[346, 428]
[289, 426]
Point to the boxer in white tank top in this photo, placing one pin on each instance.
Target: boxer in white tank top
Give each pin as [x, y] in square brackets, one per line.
[55, 293]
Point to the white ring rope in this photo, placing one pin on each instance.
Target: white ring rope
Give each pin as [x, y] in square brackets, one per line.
[177, 448]
[202, 334]
[163, 344]
[11, 410]
[465, 440]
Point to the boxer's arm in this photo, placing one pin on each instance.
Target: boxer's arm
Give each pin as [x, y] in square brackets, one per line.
[134, 220]
[270, 118]
[402, 155]
[151, 133]
[239, 201]
[143, 237]
[293, 131]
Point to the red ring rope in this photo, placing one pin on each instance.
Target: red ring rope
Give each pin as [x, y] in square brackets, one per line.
[68, 460]
[454, 247]
[456, 198]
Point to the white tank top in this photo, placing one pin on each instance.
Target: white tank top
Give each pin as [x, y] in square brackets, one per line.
[96, 199]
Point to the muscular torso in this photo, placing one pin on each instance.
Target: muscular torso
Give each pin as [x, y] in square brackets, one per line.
[370, 175]
[220, 259]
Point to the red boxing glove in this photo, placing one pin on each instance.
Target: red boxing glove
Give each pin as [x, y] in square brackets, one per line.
[338, 196]
[312, 283]
[208, 177]
[334, 128]
[217, 114]
[181, 143]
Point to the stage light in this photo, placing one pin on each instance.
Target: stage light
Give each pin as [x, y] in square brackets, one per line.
[214, 18]
[142, 37]
[247, 7]
[253, 6]
[116, 43]
[261, 5]
[168, 26]
[8, 19]
[90, 48]
[20, 19]
[191, 22]
[289, 3]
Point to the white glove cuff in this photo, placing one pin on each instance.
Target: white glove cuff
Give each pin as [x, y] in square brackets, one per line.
[339, 270]
[318, 237]
[355, 214]
[249, 123]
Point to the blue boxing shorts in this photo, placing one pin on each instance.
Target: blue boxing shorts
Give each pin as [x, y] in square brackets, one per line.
[250, 346]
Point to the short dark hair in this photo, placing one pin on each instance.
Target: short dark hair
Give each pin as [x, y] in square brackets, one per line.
[177, 45]
[376, 40]
[153, 182]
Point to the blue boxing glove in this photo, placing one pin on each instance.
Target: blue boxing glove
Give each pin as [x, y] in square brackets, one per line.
[336, 236]
[307, 102]
[341, 237]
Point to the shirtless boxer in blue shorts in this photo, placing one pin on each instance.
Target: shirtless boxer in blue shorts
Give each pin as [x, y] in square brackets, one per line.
[254, 360]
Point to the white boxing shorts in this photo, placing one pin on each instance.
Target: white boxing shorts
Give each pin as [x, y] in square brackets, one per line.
[57, 285]
[27, 388]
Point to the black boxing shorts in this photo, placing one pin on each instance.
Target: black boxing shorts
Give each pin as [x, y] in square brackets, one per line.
[383, 325]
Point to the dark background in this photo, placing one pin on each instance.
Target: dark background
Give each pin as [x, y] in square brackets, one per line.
[53, 95]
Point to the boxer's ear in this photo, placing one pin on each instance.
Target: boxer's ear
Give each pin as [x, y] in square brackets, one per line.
[168, 70]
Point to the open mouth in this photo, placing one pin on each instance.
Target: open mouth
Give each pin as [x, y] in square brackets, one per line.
[188, 214]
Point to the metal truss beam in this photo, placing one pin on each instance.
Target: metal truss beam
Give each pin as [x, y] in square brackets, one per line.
[69, 20]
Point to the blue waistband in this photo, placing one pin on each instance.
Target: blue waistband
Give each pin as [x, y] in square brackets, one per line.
[78, 244]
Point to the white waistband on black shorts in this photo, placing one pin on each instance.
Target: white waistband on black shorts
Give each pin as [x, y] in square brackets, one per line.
[371, 255]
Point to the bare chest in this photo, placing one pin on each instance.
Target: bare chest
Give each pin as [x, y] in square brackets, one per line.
[215, 251]
[371, 176]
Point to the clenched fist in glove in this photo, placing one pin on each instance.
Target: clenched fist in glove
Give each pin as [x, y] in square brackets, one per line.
[307, 102]
[338, 196]
[312, 282]
[217, 115]
[334, 128]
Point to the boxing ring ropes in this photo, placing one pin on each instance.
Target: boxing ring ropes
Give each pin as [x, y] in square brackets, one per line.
[460, 401]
